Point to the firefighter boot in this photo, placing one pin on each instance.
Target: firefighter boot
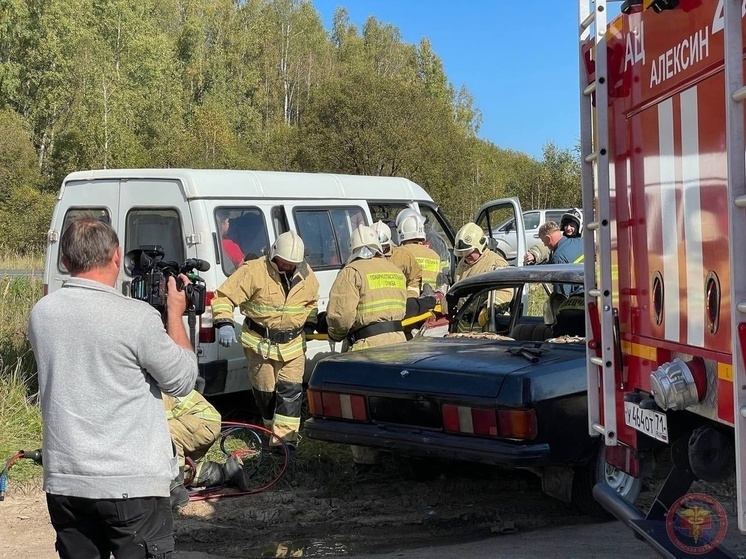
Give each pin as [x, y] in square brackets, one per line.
[213, 474]
[179, 496]
[233, 472]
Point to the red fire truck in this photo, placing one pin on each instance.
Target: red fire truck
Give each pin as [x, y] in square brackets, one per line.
[664, 196]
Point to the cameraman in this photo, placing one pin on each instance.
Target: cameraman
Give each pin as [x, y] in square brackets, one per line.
[103, 359]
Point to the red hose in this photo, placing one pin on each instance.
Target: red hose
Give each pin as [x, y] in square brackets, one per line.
[228, 427]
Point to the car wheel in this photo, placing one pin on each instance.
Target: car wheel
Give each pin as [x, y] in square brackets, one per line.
[595, 471]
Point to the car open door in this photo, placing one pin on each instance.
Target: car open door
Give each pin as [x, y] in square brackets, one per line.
[496, 213]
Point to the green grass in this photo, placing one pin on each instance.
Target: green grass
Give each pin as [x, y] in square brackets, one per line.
[20, 416]
[20, 423]
[13, 260]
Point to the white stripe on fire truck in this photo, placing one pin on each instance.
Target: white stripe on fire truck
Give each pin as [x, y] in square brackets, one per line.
[346, 405]
[465, 424]
[668, 220]
[695, 309]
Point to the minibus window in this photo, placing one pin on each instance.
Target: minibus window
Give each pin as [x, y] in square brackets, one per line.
[74, 213]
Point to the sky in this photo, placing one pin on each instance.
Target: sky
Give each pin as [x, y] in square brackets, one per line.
[518, 59]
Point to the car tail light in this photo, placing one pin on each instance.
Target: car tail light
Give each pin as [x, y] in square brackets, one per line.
[46, 290]
[518, 424]
[473, 421]
[623, 458]
[314, 401]
[334, 404]
[206, 330]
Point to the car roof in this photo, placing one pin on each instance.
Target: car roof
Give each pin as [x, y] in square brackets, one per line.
[554, 273]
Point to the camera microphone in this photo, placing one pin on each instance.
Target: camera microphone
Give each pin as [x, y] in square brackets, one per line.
[198, 264]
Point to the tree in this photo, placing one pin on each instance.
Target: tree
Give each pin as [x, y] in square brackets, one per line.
[25, 212]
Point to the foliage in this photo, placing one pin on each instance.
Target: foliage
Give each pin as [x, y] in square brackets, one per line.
[20, 422]
[258, 84]
[20, 417]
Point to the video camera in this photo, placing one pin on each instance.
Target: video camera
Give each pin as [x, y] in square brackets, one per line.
[150, 275]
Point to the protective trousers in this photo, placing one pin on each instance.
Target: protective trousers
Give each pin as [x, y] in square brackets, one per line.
[278, 391]
[192, 436]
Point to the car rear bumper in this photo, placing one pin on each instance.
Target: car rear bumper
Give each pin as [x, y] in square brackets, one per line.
[428, 443]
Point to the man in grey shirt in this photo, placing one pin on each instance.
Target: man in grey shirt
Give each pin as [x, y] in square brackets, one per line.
[103, 360]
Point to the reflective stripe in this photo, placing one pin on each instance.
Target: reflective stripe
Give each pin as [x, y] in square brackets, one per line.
[222, 308]
[579, 259]
[257, 308]
[639, 350]
[381, 280]
[339, 334]
[277, 352]
[382, 305]
[287, 420]
[193, 404]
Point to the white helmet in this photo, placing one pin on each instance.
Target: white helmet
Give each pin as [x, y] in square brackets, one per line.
[364, 243]
[469, 238]
[406, 212]
[410, 226]
[288, 246]
[384, 234]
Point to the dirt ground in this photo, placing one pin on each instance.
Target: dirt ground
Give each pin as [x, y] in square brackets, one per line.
[325, 509]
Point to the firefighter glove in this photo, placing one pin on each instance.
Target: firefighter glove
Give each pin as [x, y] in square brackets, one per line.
[226, 335]
[321, 325]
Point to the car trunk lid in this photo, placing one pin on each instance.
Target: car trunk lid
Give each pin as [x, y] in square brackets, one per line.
[431, 367]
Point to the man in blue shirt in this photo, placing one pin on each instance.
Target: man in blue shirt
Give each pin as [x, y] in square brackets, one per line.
[567, 250]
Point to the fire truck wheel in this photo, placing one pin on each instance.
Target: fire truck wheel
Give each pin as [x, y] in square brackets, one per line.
[711, 454]
[595, 471]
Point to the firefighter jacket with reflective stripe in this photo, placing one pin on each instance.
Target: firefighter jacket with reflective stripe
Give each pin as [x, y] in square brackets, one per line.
[407, 263]
[257, 289]
[365, 291]
[429, 261]
[487, 262]
[191, 404]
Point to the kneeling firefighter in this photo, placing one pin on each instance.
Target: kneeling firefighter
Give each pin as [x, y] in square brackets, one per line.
[194, 425]
[278, 295]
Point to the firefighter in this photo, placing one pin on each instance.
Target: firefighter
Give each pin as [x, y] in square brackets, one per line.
[563, 249]
[278, 295]
[571, 226]
[471, 247]
[410, 227]
[194, 425]
[475, 258]
[401, 258]
[417, 303]
[367, 301]
[571, 316]
[572, 223]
